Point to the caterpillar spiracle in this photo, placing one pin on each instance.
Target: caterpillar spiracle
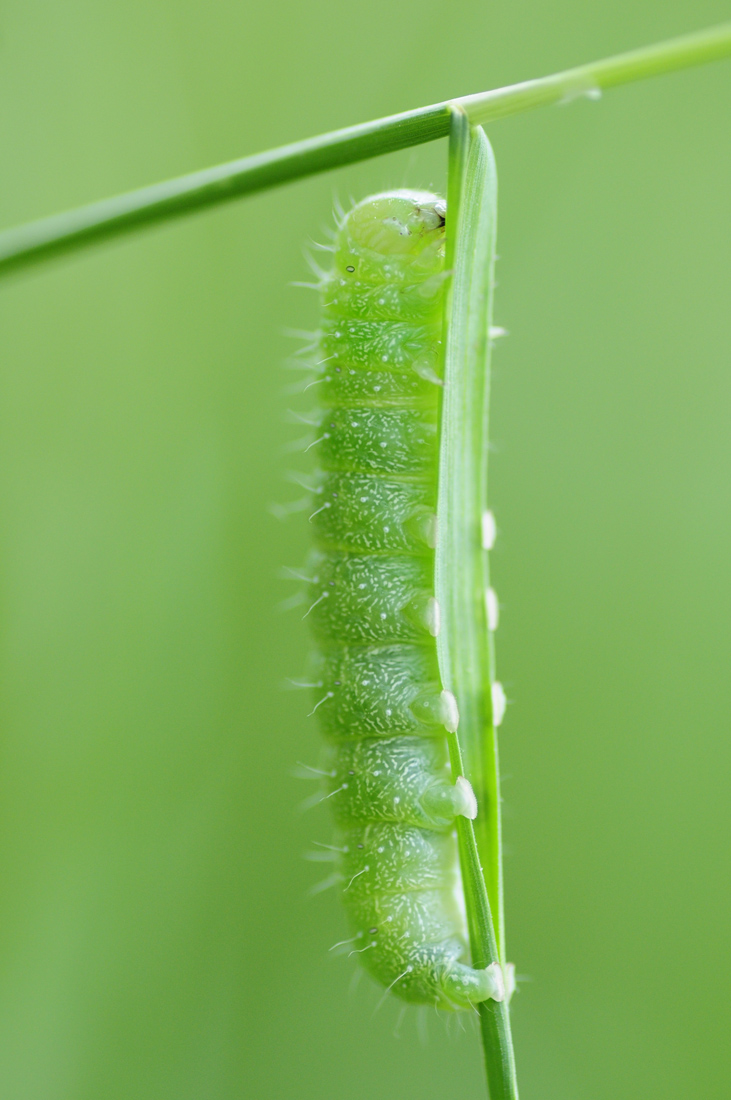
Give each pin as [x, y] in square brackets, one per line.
[372, 611]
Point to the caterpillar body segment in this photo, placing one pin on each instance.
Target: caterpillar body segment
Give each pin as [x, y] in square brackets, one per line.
[372, 609]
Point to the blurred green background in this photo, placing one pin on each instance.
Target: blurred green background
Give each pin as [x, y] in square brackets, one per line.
[156, 940]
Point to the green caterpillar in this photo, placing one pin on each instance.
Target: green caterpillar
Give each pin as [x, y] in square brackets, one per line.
[373, 613]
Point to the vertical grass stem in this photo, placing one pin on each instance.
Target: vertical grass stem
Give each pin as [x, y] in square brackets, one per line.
[465, 645]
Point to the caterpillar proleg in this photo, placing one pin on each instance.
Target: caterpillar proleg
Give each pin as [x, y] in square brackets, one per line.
[372, 609]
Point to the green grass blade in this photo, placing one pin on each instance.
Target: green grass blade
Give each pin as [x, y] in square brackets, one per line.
[465, 655]
[462, 564]
[76, 229]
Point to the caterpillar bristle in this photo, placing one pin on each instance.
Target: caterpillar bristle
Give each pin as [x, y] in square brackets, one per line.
[338, 213]
[298, 478]
[422, 1024]
[312, 606]
[284, 511]
[300, 685]
[294, 389]
[290, 603]
[325, 884]
[317, 511]
[300, 334]
[390, 987]
[346, 943]
[298, 446]
[326, 696]
[315, 268]
[316, 382]
[298, 418]
[305, 771]
[397, 1027]
[355, 981]
[288, 574]
[315, 442]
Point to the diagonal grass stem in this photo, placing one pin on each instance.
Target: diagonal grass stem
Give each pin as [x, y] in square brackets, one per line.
[172, 199]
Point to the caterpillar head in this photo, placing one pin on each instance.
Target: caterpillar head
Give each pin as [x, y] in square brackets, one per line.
[397, 227]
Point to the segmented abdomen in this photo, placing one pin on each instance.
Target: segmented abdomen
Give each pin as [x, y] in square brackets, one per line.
[373, 612]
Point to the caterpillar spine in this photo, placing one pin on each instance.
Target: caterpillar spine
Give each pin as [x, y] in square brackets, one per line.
[380, 702]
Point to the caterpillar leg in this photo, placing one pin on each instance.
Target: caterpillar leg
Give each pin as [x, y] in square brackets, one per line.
[432, 975]
[465, 986]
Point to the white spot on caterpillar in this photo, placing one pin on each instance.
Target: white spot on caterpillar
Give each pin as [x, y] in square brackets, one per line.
[431, 531]
[465, 803]
[495, 981]
[448, 711]
[489, 530]
[433, 617]
[499, 703]
[509, 974]
[492, 608]
[425, 370]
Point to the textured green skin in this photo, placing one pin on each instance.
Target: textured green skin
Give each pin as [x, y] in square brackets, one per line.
[379, 705]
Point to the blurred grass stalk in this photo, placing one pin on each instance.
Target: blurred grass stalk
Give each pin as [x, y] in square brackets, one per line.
[75, 229]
